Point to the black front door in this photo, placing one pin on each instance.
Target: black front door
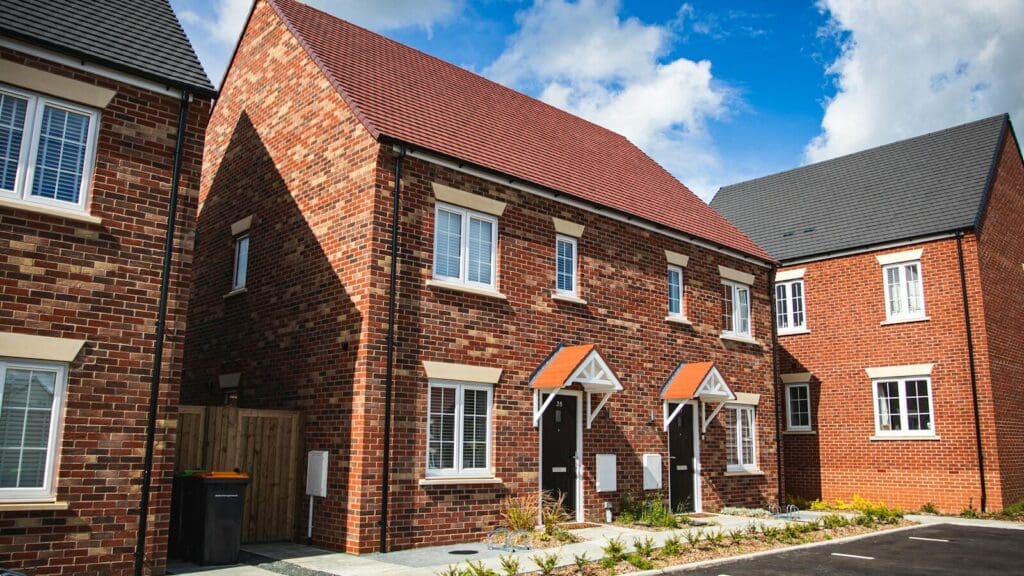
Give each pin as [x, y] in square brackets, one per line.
[558, 451]
[681, 460]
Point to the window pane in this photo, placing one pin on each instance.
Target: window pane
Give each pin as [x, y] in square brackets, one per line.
[675, 292]
[895, 299]
[474, 429]
[60, 158]
[743, 322]
[781, 307]
[441, 428]
[480, 246]
[25, 412]
[12, 131]
[565, 266]
[913, 282]
[919, 416]
[889, 406]
[727, 306]
[241, 261]
[731, 456]
[799, 407]
[448, 244]
[747, 433]
[797, 295]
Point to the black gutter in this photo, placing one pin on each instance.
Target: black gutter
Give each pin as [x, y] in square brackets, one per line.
[974, 374]
[161, 320]
[777, 390]
[389, 374]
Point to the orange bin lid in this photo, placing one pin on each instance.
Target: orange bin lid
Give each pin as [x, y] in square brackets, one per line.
[225, 474]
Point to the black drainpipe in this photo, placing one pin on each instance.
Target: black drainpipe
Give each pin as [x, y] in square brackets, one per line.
[974, 374]
[779, 408]
[161, 318]
[389, 373]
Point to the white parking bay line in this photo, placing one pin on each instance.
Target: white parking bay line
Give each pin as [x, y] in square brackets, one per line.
[853, 556]
[928, 539]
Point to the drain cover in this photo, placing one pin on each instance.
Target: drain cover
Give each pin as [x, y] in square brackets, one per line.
[462, 552]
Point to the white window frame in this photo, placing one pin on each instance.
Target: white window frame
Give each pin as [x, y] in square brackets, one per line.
[48, 490]
[904, 315]
[457, 470]
[736, 287]
[742, 466]
[904, 432]
[789, 314]
[682, 291]
[559, 238]
[463, 277]
[235, 284]
[789, 408]
[30, 148]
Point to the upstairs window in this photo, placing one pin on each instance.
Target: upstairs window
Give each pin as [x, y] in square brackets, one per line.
[241, 270]
[735, 309]
[675, 292]
[565, 265]
[904, 299]
[789, 306]
[47, 149]
[465, 246]
[31, 395]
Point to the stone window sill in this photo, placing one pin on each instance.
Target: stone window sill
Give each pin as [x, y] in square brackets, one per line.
[456, 480]
[906, 320]
[568, 298]
[794, 332]
[735, 338]
[744, 473]
[678, 320]
[897, 437]
[50, 211]
[444, 285]
[800, 432]
[15, 506]
[235, 292]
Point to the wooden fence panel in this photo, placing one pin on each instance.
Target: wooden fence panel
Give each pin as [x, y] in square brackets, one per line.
[262, 443]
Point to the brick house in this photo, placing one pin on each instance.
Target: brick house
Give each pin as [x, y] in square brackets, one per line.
[91, 96]
[899, 314]
[562, 305]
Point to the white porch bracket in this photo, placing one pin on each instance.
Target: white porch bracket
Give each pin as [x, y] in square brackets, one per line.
[592, 414]
[707, 419]
[538, 408]
[667, 417]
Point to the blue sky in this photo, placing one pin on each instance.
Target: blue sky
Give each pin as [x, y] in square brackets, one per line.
[717, 91]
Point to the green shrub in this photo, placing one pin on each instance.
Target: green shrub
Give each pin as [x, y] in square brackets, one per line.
[520, 512]
[672, 546]
[639, 561]
[694, 537]
[833, 521]
[736, 536]
[715, 538]
[1013, 510]
[614, 549]
[546, 562]
[509, 565]
[970, 511]
[929, 508]
[581, 561]
[553, 513]
[453, 570]
[609, 563]
[644, 547]
[650, 511]
[478, 569]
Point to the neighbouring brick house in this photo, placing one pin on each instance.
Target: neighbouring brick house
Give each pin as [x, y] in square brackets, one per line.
[90, 94]
[536, 254]
[897, 262]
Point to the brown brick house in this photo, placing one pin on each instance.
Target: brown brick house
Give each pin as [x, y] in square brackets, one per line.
[566, 315]
[899, 314]
[91, 96]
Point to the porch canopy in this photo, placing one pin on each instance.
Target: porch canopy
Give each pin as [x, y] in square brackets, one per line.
[699, 381]
[568, 365]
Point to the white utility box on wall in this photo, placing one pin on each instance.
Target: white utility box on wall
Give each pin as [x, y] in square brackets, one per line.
[606, 473]
[652, 471]
[316, 473]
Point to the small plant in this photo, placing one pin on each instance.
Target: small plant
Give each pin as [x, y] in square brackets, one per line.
[834, 521]
[546, 562]
[747, 512]
[644, 547]
[672, 546]
[509, 565]
[798, 501]
[736, 536]
[553, 513]
[715, 538]
[639, 562]
[609, 563]
[614, 549]
[791, 532]
[452, 570]
[771, 533]
[478, 569]
[970, 511]
[581, 561]
[929, 508]
[694, 537]
[520, 512]
[1013, 511]
[650, 512]
[753, 529]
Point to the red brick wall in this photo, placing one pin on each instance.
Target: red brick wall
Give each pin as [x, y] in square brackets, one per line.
[100, 283]
[1001, 260]
[309, 334]
[845, 308]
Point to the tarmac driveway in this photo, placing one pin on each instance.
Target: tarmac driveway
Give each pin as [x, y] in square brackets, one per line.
[936, 549]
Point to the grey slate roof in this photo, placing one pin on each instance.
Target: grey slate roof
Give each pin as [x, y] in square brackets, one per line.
[926, 185]
[141, 37]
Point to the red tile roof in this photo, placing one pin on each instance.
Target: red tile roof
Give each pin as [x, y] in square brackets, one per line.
[561, 366]
[686, 380]
[412, 97]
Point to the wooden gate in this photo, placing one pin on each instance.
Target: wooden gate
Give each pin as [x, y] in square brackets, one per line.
[265, 444]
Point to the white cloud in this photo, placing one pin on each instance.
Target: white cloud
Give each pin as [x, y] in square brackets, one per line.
[912, 67]
[582, 57]
[392, 14]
